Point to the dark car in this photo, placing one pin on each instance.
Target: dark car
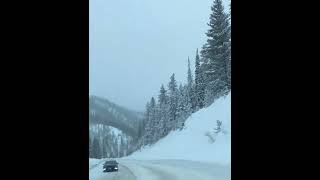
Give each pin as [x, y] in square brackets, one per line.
[110, 166]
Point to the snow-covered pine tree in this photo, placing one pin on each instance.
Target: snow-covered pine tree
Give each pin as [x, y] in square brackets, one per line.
[157, 123]
[108, 144]
[153, 120]
[229, 52]
[129, 148]
[190, 78]
[163, 100]
[181, 106]
[191, 90]
[103, 149]
[150, 121]
[184, 106]
[173, 102]
[113, 146]
[122, 146]
[199, 83]
[96, 151]
[147, 126]
[140, 130]
[216, 53]
[117, 142]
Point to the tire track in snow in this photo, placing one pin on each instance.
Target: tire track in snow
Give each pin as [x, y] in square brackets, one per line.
[124, 173]
[147, 171]
[163, 170]
[177, 170]
[160, 174]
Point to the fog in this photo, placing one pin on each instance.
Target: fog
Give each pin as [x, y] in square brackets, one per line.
[135, 46]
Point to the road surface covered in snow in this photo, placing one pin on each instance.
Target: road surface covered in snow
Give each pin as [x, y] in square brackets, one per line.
[162, 170]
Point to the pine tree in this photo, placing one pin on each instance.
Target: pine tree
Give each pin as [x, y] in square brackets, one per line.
[150, 121]
[184, 106]
[199, 83]
[173, 102]
[140, 129]
[191, 95]
[153, 120]
[190, 78]
[96, 153]
[103, 149]
[147, 126]
[107, 145]
[122, 147]
[229, 52]
[157, 123]
[116, 146]
[113, 146]
[163, 112]
[216, 53]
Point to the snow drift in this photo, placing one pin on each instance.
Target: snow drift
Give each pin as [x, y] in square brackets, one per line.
[192, 143]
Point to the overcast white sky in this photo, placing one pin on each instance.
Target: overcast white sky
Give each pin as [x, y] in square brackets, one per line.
[135, 46]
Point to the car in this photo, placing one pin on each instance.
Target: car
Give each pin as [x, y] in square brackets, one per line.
[110, 166]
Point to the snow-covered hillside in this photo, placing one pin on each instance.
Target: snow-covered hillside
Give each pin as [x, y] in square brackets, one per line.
[192, 143]
[97, 128]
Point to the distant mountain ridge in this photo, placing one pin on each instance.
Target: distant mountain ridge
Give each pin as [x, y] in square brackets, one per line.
[103, 111]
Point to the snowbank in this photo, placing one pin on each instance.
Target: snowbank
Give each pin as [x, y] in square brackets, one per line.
[192, 143]
[93, 162]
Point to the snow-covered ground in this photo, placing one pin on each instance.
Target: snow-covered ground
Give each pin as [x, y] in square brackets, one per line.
[177, 170]
[95, 168]
[93, 162]
[192, 142]
[95, 128]
[182, 155]
[162, 170]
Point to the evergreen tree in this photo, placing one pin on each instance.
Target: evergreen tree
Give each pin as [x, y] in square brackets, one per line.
[103, 149]
[199, 83]
[122, 147]
[150, 122]
[212, 79]
[190, 78]
[173, 102]
[96, 153]
[147, 126]
[140, 129]
[229, 52]
[163, 112]
[216, 53]
[163, 98]
[184, 106]
[191, 95]
[108, 144]
[153, 120]
[116, 147]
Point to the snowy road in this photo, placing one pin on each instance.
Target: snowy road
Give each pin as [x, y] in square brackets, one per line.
[123, 174]
[163, 169]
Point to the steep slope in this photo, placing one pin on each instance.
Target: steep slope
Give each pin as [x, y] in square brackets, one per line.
[193, 142]
[107, 113]
[113, 129]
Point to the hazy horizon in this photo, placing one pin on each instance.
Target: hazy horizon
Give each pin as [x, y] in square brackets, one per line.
[135, 46]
